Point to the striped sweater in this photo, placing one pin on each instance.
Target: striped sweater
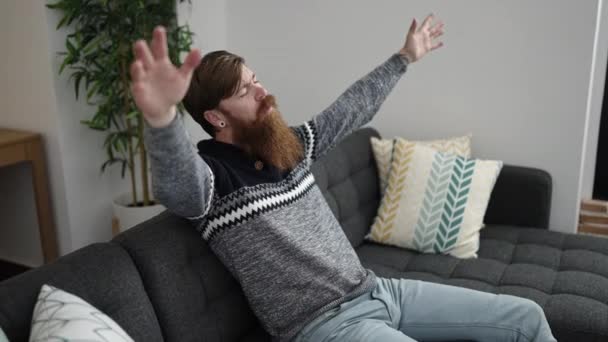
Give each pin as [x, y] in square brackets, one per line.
[273, 230]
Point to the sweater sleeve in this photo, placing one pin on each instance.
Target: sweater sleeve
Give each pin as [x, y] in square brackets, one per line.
[181, 180]
[355, 107]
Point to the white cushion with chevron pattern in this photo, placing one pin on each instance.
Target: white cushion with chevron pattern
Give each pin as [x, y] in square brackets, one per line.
[434, 202]
[383, 152]
[3, 337]
[61, 316]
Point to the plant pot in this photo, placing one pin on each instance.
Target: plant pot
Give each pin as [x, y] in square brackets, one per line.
[126, 217]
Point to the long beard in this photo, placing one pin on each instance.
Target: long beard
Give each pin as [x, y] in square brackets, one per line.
[270, 139]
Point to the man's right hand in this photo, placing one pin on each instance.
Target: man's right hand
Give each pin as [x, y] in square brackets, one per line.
[157, 85]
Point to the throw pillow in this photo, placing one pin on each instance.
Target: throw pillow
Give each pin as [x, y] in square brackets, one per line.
[434, 202]
[383, 152]
[62, 316]
[3, 337]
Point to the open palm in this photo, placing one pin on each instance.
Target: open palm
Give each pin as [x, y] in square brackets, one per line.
[419, 40]
[157, 85]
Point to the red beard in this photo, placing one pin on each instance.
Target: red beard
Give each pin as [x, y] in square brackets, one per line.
[269, 138]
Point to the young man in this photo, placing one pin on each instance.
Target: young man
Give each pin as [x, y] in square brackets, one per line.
[251, 195]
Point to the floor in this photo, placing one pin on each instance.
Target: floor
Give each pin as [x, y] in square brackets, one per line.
[9, 269]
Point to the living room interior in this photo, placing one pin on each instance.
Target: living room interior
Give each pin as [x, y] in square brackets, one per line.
[525, 79]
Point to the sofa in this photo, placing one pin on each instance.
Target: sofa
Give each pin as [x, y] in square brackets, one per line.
[160, 281]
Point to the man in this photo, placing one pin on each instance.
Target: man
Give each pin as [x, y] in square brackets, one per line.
[251, 195]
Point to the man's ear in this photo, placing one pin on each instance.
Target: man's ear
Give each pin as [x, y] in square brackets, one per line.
[215, 118]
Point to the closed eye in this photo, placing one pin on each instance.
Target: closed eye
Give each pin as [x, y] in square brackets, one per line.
[248, 86]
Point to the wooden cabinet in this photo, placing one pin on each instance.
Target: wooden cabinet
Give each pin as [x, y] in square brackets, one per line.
[26, 147]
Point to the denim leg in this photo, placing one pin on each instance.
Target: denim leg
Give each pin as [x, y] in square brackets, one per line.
[428, 311]
[368, 330]
[364, 319]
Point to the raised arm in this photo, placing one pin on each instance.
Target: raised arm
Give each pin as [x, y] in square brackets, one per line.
[181, 180]
[362, 100]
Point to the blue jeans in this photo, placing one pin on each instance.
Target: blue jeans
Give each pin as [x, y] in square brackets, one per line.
[413, 310]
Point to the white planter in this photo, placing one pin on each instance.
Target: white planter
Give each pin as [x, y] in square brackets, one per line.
[126, 217]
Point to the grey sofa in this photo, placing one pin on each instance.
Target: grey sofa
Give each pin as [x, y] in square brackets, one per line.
[161, 282]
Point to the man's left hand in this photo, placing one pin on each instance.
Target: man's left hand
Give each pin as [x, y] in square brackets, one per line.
[419, 40]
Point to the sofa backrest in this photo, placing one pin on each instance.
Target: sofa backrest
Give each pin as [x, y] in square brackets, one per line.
[521, 197]
[102, 274]
[194, 295]
[348, 177]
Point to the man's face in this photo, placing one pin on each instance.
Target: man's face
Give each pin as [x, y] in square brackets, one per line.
[257, 125]
[246, 106]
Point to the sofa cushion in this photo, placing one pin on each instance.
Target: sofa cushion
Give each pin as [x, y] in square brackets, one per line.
[59, 315]
[566, 274]
[383, 150]
[101, 274]
[435, 202]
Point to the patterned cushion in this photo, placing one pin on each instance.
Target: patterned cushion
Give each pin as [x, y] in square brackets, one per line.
[383, 152]
[434, 202]
[59, 315]
[3, 337]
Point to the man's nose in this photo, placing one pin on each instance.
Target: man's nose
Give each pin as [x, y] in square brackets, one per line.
[260, 92]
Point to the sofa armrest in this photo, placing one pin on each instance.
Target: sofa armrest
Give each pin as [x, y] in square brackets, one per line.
[521, 197]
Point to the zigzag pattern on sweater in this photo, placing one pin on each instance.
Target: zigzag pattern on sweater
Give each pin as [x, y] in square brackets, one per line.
[311, 140]
[308, 134]
[247, 203]
[213, 225]
[248, 193]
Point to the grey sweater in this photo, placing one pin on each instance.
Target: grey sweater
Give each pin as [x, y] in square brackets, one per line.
[278, 238]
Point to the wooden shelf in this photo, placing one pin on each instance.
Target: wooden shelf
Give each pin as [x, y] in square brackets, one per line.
[593, 218]
[595, 206]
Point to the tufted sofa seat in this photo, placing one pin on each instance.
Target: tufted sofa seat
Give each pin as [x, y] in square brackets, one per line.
[566, 274]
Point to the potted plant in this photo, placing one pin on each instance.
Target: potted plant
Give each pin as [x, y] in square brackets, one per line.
[98, 54]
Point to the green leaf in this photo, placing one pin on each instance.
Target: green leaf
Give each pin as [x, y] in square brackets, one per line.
[65, 62]
[77, 84]
[93, 44]
[93, 90]
[124, 168]
[105, 164]
[62, 22]
[132, 115]
[57, 5]
[71, 48]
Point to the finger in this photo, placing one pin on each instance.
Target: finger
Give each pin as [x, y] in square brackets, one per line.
[436, 34]
[192, 61]
[142, 53]
[437, 46]
[427, 22]
[137, 71]
[137, 89]
[159, 43]
[412, 27]
[436, 28]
